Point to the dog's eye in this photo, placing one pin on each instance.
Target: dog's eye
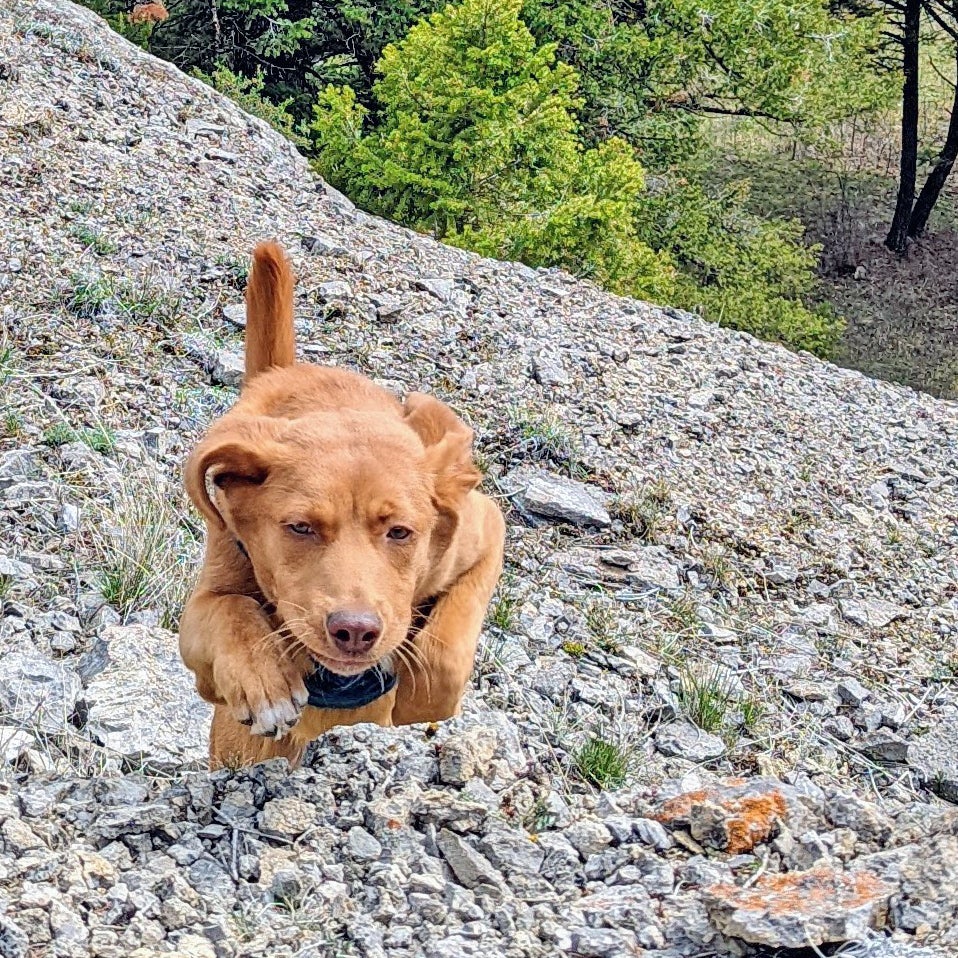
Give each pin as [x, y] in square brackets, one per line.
[300, 528]
[399, 533]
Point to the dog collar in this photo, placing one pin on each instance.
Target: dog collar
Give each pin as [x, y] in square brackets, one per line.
[328, 690]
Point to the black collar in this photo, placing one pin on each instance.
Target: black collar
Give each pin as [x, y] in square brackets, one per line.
[328, 690]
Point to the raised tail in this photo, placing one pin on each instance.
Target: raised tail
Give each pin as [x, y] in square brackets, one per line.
[270, 337]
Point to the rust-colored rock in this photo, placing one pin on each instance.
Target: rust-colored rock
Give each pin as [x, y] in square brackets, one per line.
[733, 817]
[799, 909]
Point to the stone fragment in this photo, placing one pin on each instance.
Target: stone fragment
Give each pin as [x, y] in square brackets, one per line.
[38, 692]
[800, 909]
[235, 313]
[733, 817]
[144, 705]
[467, 864]
[684, 740]
[882, 745]
[851, 691]
[466, 755]
[871, 613]
[228, 368]
[544, 494]
[363, 846]
[287, 817]
[548, 369]
[934, 756]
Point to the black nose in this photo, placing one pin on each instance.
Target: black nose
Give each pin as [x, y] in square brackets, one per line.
[354, 630]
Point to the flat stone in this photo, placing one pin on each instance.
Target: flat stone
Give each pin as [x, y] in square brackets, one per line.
[684, 740]
[38, 692]
[883, 745]
[548, 370]
[235, 313]
[799, 909]
[333, 291]
[555, 497]
[934, 756]
[15, 569]
[467, 864]
[653, 568]
[144, 704]
[871, 613]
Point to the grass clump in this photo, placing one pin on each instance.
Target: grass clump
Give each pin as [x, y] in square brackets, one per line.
[504, 610]
[145, 550]
[99, 438]
[573, 648]
[644, 511]
[603, 625]
[707, 697]
[602, 763]
[542, 435]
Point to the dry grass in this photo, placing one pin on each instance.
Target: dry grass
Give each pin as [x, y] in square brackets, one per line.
[145, 549]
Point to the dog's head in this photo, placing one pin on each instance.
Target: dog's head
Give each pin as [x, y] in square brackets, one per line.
[342, 515]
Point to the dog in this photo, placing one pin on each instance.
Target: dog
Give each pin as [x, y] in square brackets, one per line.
[350, 557]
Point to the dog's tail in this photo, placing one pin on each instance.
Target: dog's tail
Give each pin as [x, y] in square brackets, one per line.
[270, 337]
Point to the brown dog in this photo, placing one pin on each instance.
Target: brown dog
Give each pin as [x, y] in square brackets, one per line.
[350, 559]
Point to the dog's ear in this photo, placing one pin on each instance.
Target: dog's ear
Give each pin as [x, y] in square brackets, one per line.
[448, 442]
[232, 453]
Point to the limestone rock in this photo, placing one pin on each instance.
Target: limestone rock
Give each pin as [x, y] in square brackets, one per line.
[144, 704]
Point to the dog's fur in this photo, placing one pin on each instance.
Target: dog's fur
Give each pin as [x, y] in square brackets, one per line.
[318, 476]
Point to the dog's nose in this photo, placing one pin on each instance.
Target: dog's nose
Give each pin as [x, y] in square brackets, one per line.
[354, 630]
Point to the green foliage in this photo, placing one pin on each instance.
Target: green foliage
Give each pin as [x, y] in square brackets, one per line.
[602, 763]
[477, 142]
[650, 71]
[739, 270]
[249, 94]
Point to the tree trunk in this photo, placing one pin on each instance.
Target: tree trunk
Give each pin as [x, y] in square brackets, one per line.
[897, 238]
[939, 174]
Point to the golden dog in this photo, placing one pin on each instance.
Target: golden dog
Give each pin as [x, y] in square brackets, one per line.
[350, 559]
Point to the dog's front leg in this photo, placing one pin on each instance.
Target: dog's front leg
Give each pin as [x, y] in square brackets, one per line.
[241, 663]
[433, 675]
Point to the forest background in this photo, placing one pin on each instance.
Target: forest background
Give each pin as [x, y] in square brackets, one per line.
[779, 166]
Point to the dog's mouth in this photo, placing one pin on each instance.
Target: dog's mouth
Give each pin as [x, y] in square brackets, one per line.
[344, 667]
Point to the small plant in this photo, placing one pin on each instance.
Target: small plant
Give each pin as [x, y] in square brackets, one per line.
[644, 512]
[603, 624]
[99, 439]
[573, 648]
[13, 425]
[6, 584]
[539, 817]
[683, 611]
[502, 613]
[88, 296]
[715, 564]
[92, 239]
[7, 362]
[145, 552]
[752, 710]
[543, 435]
[706, 696]
[59, 434]
[602, 763]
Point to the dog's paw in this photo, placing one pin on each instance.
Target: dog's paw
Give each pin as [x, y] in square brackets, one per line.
[266, 694]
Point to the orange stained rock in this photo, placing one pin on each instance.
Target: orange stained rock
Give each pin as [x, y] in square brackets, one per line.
[752, 818]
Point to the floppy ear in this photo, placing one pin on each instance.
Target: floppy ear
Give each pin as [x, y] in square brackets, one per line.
[236, 453]
[448, 442]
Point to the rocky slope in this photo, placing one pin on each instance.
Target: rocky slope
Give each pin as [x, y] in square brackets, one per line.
[731, 596]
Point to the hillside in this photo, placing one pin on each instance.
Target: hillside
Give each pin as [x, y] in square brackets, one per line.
[753, 605]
